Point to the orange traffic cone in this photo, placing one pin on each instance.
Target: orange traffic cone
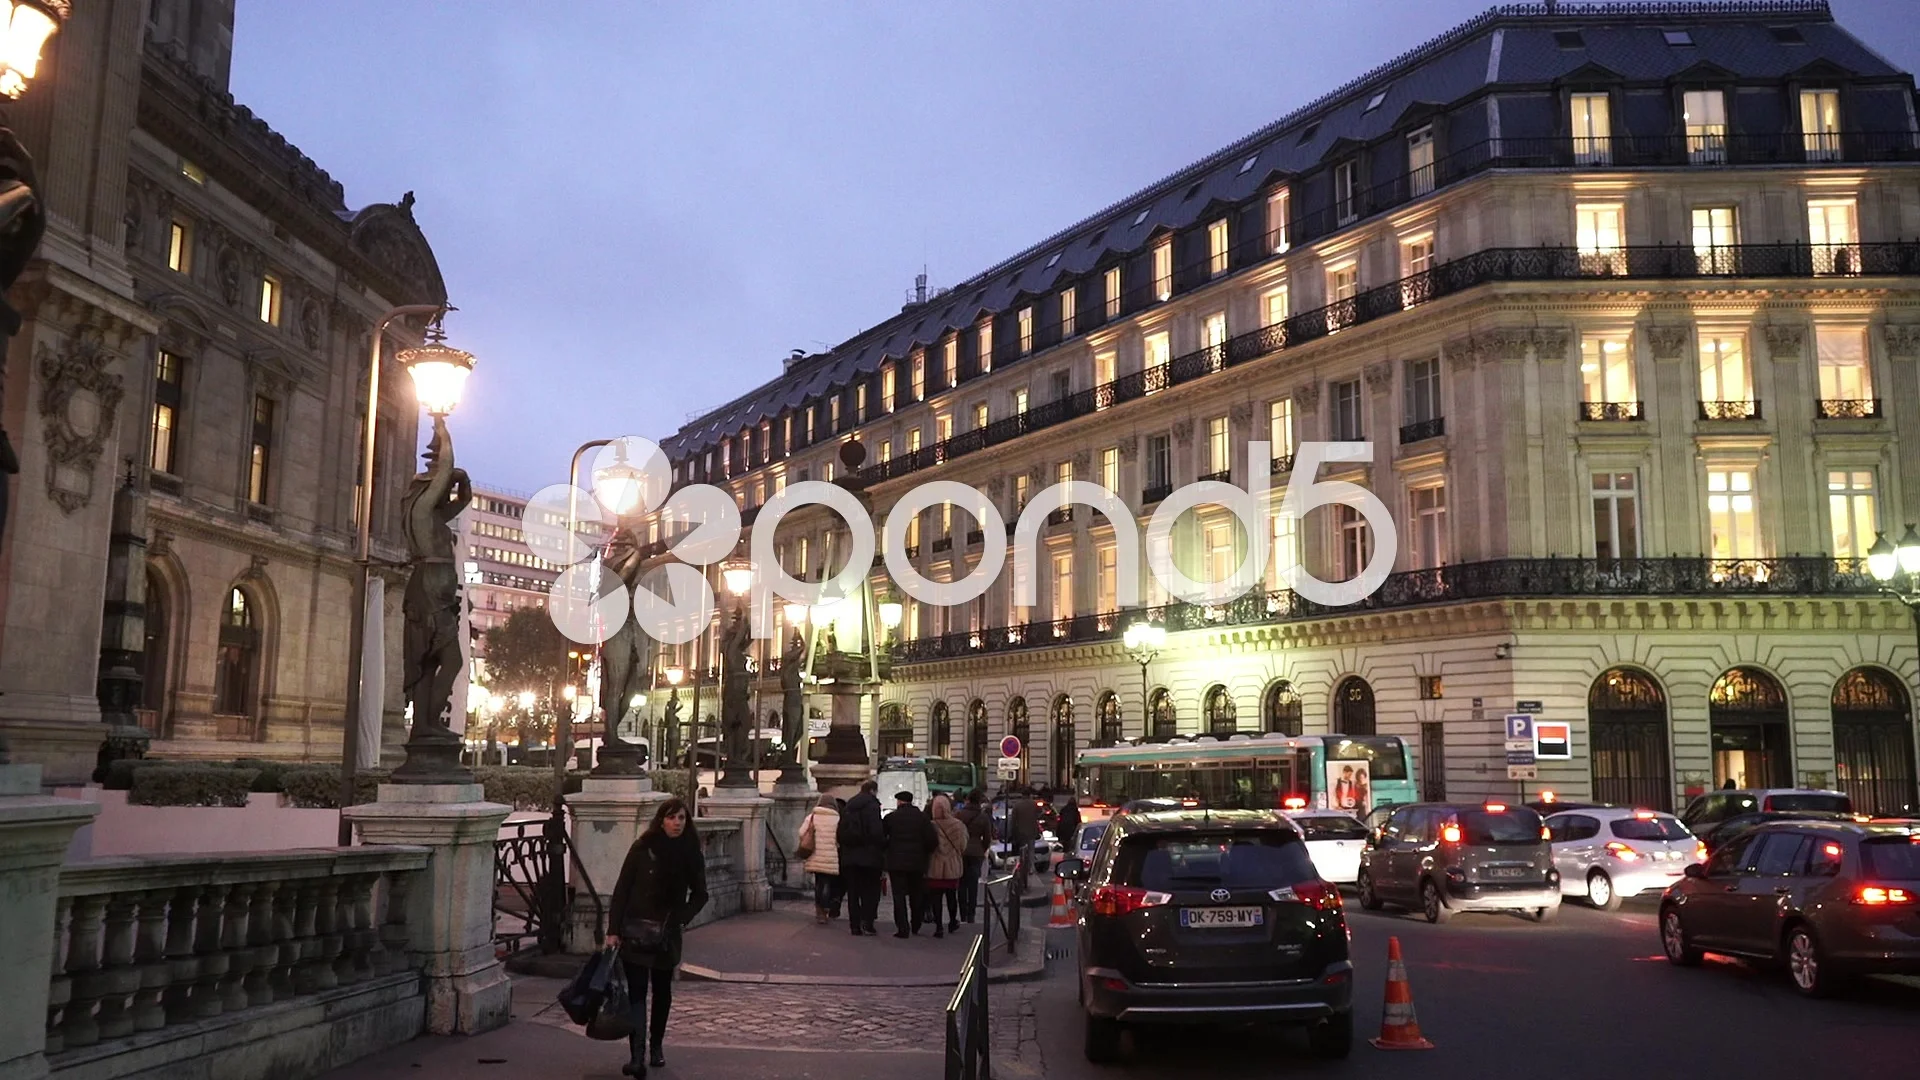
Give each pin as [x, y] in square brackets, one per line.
[1399, 1030]
[1061, 916]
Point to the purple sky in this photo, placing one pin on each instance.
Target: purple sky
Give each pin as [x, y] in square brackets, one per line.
[641, 208]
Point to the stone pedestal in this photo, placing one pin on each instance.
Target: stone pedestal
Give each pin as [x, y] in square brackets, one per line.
[751, 811]
[845, 765]
[791, 805]
[34, 833]
[609, 814]
[450, 911]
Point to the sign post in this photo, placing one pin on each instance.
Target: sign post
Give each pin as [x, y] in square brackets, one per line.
[1520, 747]
[1008, 767]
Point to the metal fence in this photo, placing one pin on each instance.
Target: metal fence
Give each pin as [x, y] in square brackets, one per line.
[967, 1048]
[1004, 911]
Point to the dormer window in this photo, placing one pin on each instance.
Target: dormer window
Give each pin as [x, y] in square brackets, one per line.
[1820, 124]
[1705, 114]
[1592, 128]
[1163, 269]
[1112, 282]
[1420, 162]
[1346, 183]
[1025, 320]
[1217, 247]
[1279, 206]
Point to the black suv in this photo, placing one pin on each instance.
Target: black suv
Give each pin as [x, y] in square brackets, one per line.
[1198, 917]
[1439, 858]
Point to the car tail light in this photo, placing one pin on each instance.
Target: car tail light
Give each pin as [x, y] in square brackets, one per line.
[1643, 815]
[1699, 851]
[1295, 802]
[1114, 984]
[1451, 834]
[1496, 808]
[1621, 851]
[1546, 833]
[1877, 895]
[1315, 894]
[1122, 899]
[1547, 796]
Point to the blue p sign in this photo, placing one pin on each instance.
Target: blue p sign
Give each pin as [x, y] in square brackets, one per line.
[1519, 726]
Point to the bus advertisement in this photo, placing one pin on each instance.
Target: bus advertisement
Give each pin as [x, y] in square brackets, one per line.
[1354, 773]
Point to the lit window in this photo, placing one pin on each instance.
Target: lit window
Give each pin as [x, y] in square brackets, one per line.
[166, 412]
[1219, 458]
[1286, 549]
[1217, 247]
[270, 300]
[1592, 130]
[1106, 579]
[1731, 515]
[1343, 283]
[1213, 334]
[950, 362]
[1705, 115]
[1420, 162]
[1851, 510]
[1220, 557]
[887, 381]
[1820, 124]
[1111, 282]
[1606, 369]
[1280, 427]
[1278, 208]
[1429, 508]
[1724, 377]
[860, 402]
[913, 440]
[1844, 374]
[1714, 239]
[1022, 489]
[1020, 400]
[180, 247]
[980, 415]
[1346, 185]
[1026, 330]
[1163, 269]
[986, 344]
[1275, 304]
[1063, 585]
[1066, 313]
[1158, 352]
[1598, 230]
[259, 472]
[1416, 258]
[1833, 229]
[919, 376]
[1110, 469]
[1105, 368]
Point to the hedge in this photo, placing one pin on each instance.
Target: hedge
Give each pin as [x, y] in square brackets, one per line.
[671, 781]
[272, 773]
[523, 787]
[191, 785]
[317, 787]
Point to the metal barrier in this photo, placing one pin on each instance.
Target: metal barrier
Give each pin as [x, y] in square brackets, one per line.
[1003, 913]
[967, 1055]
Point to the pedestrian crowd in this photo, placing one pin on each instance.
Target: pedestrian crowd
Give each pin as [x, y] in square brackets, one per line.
[929, 860]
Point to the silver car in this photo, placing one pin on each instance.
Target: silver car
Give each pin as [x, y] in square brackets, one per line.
[1607, 854]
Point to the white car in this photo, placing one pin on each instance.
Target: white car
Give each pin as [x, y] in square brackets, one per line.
[1334, 843]
[1607, 854]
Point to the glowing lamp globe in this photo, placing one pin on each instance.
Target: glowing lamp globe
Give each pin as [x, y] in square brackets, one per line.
[1883, 561]
[439, 374]
[1909, 551]
[29, 23]
[619, 486]
[738, 579]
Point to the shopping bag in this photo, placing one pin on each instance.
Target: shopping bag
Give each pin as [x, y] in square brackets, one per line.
[583, 996]
[613, 1020]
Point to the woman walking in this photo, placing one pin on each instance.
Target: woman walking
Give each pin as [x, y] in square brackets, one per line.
[820, 847]
[944, 867]
[663, 885]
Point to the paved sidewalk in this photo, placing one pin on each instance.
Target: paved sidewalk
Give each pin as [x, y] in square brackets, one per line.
[786, 947]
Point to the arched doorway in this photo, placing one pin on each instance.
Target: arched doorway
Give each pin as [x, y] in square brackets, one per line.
[1353, 707]
[940, 738]
[1019, 728]
[977, 732]
[1751, 731]
[1060, 752]
[896, 731]
[237, 667]
[154, 657]
[1873, 742]
[1222, 718]
[1627, 726]
[1283, 712]
[1160, 719]
[1108, 714]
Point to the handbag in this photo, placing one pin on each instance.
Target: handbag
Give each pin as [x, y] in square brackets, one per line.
[644, 935]
[805, 848]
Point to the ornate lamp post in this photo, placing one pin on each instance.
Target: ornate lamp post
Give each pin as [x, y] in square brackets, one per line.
[1896, 568]
[737, 723]
[436, 496]
[1144, 640]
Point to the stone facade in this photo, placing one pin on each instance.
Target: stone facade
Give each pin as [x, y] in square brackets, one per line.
[198, 323]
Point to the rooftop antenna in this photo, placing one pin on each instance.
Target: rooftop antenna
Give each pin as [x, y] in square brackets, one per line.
[920, 285]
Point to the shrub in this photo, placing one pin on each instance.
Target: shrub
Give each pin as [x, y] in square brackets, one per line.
[191, 785]
[523, 787]
[272, 776]
[673, 782]
[119, 775]
[317, 787]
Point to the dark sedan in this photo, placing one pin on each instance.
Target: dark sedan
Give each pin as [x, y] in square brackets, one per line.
[1828, 900]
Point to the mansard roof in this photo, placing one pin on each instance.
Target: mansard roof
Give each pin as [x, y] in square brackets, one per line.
[1510, 46]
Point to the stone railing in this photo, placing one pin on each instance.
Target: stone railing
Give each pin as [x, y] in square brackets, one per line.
[143, 944]
[720, 843]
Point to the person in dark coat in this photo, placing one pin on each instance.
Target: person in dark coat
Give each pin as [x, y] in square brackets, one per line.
[979, 825]
[1070, 824]
[911, 841]
[1023, 825]
[861, 840]
[663, 881]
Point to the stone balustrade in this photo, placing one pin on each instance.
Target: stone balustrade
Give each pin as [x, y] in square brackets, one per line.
[142, 944]
[720, 843]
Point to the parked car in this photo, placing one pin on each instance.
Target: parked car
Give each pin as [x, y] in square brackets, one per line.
[1739, 824]
[1150, 806]
[1707, 812]
[1443, 858]
[1606, 855]
[1826, 899]
[1191, 917]
[1334, 840]
[1548, 803]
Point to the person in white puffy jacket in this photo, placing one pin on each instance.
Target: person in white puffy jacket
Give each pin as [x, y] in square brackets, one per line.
[818, 833]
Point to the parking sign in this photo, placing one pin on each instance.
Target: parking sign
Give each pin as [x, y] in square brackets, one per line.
[1519, 727]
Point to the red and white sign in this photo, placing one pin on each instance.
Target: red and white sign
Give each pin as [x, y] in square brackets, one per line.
[1010, 746]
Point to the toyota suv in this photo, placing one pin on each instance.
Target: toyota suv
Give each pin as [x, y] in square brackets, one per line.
[1194, 917]
[1442, 858]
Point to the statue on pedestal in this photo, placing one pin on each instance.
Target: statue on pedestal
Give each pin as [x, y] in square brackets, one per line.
[793, 703]
[736, 709]
[431, 661]
[622, 662]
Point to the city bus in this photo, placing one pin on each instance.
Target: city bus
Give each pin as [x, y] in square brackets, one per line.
[1355, 773]
[926, 777]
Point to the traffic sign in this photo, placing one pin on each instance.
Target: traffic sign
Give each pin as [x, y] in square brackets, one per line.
[1553, 741]
[1522, 772]
[1520, 726]
[1520, 757]
[1010, 746]
[1008, 768]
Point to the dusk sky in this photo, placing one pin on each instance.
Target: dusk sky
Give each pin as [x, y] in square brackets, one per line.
[642, 208]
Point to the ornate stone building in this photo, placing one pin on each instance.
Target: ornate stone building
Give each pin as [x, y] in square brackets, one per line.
[1623, 307]
[195, 351]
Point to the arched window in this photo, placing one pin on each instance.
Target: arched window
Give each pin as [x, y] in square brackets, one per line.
[1747, 715]
[237, 673]
[1160, 715]
[1222, 718]
[1627, 725]
[1061, 751]
[1283, 712]
[1353, 707]
[1873, 742]
[977, 732]
[896, 731]
[153, 658]
[1018, 727]
[1108, 714]
[941, 737]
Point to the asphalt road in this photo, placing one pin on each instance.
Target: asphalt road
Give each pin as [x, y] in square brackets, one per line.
[1588, 995]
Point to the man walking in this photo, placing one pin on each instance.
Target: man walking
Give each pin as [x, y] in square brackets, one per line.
[979, 825]
[911, 840]
[861, 840]
[1023, 826]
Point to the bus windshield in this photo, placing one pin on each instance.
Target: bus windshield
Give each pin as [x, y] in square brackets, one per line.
[1386, 758]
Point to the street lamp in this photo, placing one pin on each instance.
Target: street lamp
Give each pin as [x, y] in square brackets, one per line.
[363, 555]
[29, 24]
[736, 708]
[1896, 569]
[891, 611]
[1144, 640]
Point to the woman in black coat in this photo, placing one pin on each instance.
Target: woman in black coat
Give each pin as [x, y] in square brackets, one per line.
[663, 885]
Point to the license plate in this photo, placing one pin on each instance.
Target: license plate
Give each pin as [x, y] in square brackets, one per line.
[1507, 871]
[1222, 916]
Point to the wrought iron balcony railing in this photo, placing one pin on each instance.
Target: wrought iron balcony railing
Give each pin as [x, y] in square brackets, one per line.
[1849, 409]
[1282, 465]
[1423, 429]
[1612, 410]
[1794, 575]
[1730, 410]
[942, 543]
[1062, 516]
[1154, 494]
[1224, 476]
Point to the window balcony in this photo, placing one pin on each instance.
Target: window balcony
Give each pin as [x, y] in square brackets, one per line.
[1281, 465]
[975, 537]
[942, 543]
[1848, 409]
[1224, 476]
[1062, 516]
[1609, 411]
[1730, 410]
[1155, 493]
[1420, 430]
